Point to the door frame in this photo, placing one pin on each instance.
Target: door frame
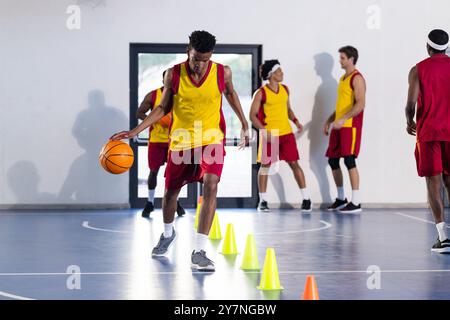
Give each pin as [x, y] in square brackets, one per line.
[194, 188]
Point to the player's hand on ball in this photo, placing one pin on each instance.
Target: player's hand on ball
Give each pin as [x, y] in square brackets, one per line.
[122, 135]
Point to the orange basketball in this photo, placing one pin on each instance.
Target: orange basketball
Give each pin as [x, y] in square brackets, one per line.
[165, 121]
[116, 157]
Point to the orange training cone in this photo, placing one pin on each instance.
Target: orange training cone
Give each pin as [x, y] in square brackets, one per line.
[311, 292]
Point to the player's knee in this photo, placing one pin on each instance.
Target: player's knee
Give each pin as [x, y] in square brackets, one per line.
[210, 184]
[170, 194]
[334, 163]
[264, 170]
[293, 164]
[152, 178]
[350, 162]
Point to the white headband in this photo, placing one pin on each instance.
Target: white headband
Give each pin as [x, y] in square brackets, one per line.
[274, 68]
[436, 46]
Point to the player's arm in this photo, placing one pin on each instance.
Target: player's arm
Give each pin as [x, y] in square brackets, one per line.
[359, 88]
[413, 94]
[254, 109]
[145, 106]
[330, 120]
[233, 100]
[157, 113]
[332, 117]
[292, 116]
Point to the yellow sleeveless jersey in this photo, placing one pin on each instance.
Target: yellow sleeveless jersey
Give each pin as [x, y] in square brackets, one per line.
[273, 112]
[346, 100]
[159, 132]
[197, 108]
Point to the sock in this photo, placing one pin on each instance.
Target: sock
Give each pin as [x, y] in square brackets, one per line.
[168, 230]
[356, 197]
[341, 193]
[305, 193]
[262, 197]
[200, 242]
[151, 195]
[442, 230]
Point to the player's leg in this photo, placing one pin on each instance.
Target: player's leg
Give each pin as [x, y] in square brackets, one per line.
[263, 177]
[169, 207]
[333, 154]
[151, 182]
[198, 258]
[336, 171]
[354, 205]
[434, 187]
[289, 153]
[265, 158]
[350, 145]
[432, 164]
[301, 182]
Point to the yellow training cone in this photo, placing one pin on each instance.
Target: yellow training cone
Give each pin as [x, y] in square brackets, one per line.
[269, 276]
[214, 233]
[197, 211]
[229, 243]
[250, 259]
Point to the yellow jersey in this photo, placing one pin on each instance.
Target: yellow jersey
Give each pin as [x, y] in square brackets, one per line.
[159, 132]
[197, 108]
[273, 112]
[346, 100]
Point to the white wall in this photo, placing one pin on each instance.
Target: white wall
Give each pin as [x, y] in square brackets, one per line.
[52, 80]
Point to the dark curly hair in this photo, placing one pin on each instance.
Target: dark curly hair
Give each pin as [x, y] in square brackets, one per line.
[266, 67]
[438, 36]
[202, 41]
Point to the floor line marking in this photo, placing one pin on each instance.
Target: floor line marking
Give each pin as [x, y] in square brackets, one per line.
[415, 218]
[202, 272]
[327, 225]
[13, 296]
[87, 226]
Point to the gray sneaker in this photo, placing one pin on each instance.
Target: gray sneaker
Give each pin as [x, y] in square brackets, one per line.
[163, 245]
[201, 262]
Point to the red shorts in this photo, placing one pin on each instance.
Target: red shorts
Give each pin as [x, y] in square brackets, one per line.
[344, 142]
[433, 158]
[188, 166]
[157, 154]
[269, 153]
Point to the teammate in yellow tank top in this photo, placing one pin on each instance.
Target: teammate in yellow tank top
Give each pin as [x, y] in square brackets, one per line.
[346, 128]
[270, 113]
[197, 135]
[158, 147]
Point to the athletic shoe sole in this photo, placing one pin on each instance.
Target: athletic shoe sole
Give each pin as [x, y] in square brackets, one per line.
[199, 268]
[263, 210]
[441, 250]
[352, 211]
[167, 251]
[307, 211]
